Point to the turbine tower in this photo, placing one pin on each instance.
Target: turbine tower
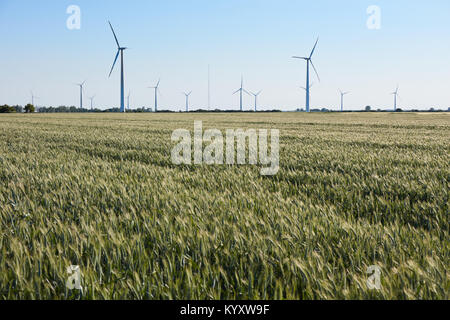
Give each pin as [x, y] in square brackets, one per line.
[342, 99]
[395, 93]
[241, 90]
[120, 51]
[256, 99]
[156, 94]
[187, 100]
[128, 100]
[309, 61]
[81, 93]
[92, 99]
[309, 87]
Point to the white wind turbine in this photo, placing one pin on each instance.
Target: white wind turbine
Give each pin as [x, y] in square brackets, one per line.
[156, 94]
[256, 98]
[81, 85]
[342, 99]
[92, 99]
[395, 93]
[309, 61]
[241, 90]
[187, 95]
[120, 51]
[32, 98]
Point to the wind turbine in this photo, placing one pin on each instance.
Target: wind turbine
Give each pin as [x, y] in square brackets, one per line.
[342, 99]
[256, 99]
[187, 100]
[209, 87]
[120, 51]
[33, 97]
[81, 93]
[156, 94]
[395, 93]
[92, 99]
[309, 61]
[128, 100]
[241, 90]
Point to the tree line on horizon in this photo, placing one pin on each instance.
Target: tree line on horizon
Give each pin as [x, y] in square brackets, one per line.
[29, 108]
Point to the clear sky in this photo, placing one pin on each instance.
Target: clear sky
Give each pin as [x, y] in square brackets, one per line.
[175, 40]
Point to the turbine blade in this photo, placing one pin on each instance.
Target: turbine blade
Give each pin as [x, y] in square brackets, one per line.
[247, 92]
[159, 81]
[237, 91]
[317, 74]
[115, 60]
[295, 57]
[115, 37]
[312, 52]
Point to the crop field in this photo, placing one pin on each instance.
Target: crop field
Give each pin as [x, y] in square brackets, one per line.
[100, 191]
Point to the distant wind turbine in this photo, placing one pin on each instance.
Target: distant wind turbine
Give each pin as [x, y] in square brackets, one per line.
[241, 90]
[342, 99]
[309, 61]
[209, 87]
[395, 93]
[33, 97]
[92, 99]
[256, 99]
[187, 100]
[156, 94]
[120, 51]
[81, 93]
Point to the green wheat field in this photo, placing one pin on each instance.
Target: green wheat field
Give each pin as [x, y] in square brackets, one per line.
[100, 191]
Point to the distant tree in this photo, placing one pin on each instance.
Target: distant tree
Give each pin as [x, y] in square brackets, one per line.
[399, 110]
[368, 109]
[432, 110]
[19, 109]
[7, 109]
[29, 108]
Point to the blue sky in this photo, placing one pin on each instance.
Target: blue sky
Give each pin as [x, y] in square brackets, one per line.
[176, 40]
